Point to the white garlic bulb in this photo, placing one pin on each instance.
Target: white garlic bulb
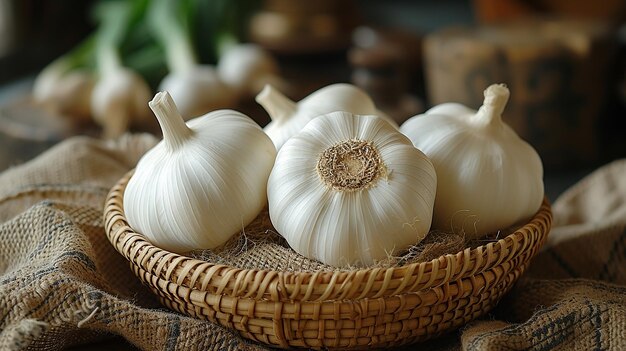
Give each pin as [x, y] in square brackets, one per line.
[118, 100]
[62, 90]
[203, 182]
[351, 190]
[488, 178]
[197, 90]
[288, 117]
[246, 68]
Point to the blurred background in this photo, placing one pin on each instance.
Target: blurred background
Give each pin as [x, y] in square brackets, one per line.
[564, 61]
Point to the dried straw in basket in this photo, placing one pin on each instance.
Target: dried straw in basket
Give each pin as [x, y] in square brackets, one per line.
[301, 303]
[259, 246]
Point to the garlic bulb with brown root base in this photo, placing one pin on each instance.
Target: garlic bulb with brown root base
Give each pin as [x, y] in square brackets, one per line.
[203, 183]
[351, 190]
[488, 178]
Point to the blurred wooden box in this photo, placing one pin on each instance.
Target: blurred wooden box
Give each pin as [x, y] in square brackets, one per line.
[557, 71]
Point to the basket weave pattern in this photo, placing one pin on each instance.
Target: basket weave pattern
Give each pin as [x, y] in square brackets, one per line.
[332, 309]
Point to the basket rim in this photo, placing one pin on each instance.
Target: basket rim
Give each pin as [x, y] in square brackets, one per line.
[223, 279]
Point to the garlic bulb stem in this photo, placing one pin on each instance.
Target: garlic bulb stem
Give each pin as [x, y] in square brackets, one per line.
[490, 113]
[108, 59]
[175, 131]
[173, 32]
[180, 55]
[277, 105]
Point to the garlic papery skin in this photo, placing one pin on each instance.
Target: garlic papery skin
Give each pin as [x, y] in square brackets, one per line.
[288, 117]
[351, 190]
[204, 182]
[488, 178]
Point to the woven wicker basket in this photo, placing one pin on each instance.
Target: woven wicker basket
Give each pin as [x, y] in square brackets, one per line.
[374, 307]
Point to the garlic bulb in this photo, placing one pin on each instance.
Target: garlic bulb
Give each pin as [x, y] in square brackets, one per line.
[351, 190]
[63, 89]
[67, 93]
[246, 68]
[203, 183]
[118, 100]
[288, 117]
[197, 90]
[120, 96]
[488, 178]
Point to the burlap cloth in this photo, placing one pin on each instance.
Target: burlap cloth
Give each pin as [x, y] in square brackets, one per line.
[62, 284]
